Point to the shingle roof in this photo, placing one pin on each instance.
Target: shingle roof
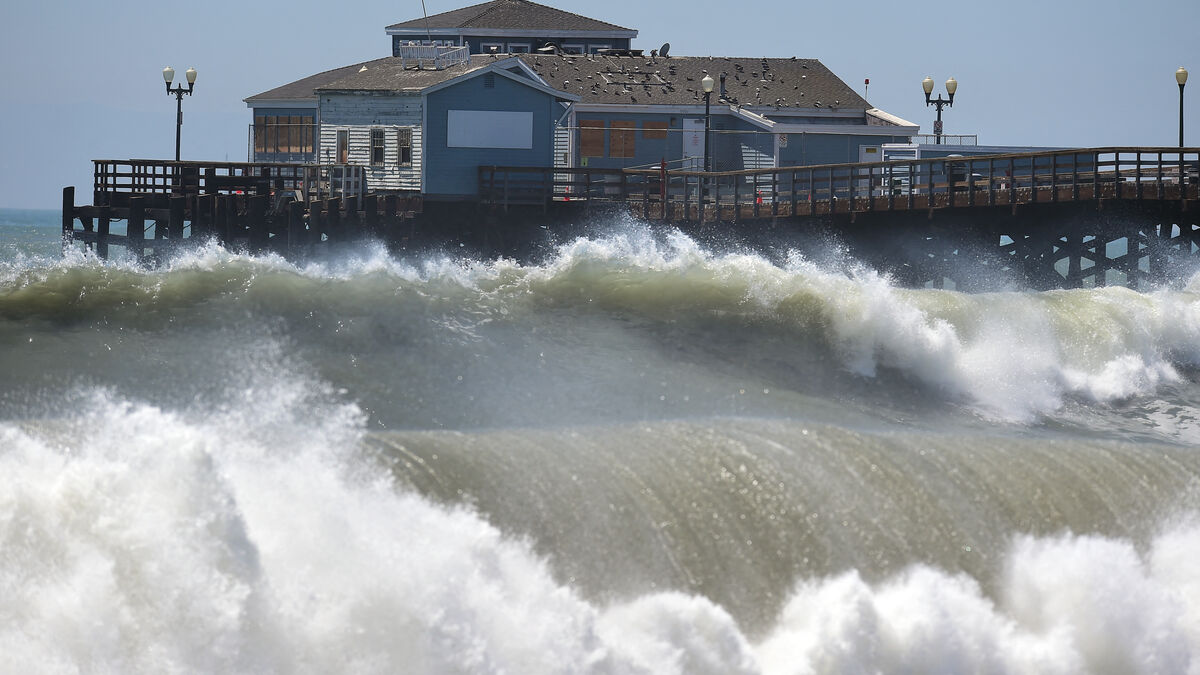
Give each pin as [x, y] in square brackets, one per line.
[390, 75]
[303, 90]
[511, 14]
[752, 82]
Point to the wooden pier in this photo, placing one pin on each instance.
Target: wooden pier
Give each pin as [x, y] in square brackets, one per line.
[284, 208]
[1070, 218]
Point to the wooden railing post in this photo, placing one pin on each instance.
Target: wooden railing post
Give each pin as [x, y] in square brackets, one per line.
[350, 222]
[256, 219]
[175, 216]
[851, 178]
[104, 218]
[1137, 175]
[370, 207]
[295, 226]
[135, 227]
[793, 191]
[68, 217]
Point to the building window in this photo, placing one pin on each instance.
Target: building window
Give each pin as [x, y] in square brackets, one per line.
[404, 147]
[593, 48]
[275, 134]
[377, 147]
[591, 138]
[518, 48]
[571, 49]
[654, 130]
[490, 47]
[620, 142]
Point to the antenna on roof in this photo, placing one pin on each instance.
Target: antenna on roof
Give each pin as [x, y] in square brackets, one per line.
[428, 33]
[664, 51]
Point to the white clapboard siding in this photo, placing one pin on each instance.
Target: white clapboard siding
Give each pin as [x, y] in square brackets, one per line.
[358, 114]
[392, 175]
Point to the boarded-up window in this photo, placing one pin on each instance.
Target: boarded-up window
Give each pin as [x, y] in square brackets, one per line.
[591, 138]
[283, 133]
[621, 142]
[377, 147]
[654, 130]
[404, 146]
[260, 134]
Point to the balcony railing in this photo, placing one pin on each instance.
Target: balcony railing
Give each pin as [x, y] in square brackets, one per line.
[437, 57]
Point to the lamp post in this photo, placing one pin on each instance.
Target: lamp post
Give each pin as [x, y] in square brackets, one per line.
[707, 83]
[951, 87]
[179, 91]
[1181, 78]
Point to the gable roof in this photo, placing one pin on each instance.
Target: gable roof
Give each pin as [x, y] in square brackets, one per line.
[790, 83]
[511, 14]
[392, 75]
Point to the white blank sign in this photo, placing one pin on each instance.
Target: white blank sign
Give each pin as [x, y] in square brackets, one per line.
[489, 129]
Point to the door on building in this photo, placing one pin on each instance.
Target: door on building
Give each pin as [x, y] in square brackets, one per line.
[343, 146]
[693, 144]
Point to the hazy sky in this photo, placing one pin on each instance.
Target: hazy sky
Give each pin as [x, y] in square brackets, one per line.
[81, 80]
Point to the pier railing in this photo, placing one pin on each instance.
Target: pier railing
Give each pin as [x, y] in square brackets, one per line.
[1140, 173]
[115, 181]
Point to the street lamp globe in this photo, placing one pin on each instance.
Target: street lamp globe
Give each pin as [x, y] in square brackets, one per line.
[951, 86]
[707, 83]
[927, 85]
[168, 74]
[191, 75]
[1181, 76]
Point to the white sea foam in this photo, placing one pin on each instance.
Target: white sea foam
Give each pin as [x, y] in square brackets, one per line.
[257, 538]
[1013, 356]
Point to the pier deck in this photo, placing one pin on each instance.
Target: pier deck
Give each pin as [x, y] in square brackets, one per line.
[1084, 175]
[1069, 218]
[286, 208]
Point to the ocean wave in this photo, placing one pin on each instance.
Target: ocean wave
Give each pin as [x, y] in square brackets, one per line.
[1014, 356]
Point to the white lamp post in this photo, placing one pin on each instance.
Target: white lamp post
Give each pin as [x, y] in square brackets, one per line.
[1181, 78]
[951, 87]
[707, 84]
[179, 91]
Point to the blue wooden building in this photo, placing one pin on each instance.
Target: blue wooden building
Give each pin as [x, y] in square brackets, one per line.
[424, 119]
[637, 111]
[424, 127]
